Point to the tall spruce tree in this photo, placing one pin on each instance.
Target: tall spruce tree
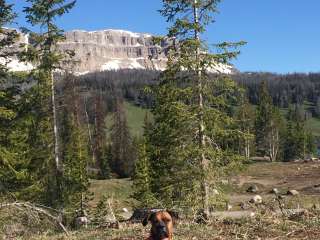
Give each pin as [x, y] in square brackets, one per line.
[190, 110]
[100, 136]
[12, 133]
[121, 143]
[46, 58]
[75, 156]
[7, 112]
[8, 37]
[142, 171]
[299, 142]
[245, 117]
[268, 125]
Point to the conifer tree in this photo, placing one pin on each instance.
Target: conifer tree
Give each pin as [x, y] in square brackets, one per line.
[75, 156]
[46, 58]
[8, 37]
[268, 126]
[6, 99]
[142, 171]
[299, 142]
[99, 136]
[245, 119]
[190, 110]
[121, 143]
[13, 146]
[75, 179]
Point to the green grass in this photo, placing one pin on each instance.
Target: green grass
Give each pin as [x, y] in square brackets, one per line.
[135, 118]
[314, 125]
[120, 190]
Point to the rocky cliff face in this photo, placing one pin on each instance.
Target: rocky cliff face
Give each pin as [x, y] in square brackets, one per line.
[113, 50]
[13, 62]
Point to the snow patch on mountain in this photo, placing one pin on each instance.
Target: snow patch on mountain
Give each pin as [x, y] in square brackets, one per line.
[15, 65]
[116, 64]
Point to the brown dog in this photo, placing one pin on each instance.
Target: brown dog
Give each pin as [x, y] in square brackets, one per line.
[162, 225]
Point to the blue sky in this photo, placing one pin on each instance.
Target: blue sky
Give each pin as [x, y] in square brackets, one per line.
[283, 35]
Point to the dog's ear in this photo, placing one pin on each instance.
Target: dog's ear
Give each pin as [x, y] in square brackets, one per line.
[147, 219]
[174, 215]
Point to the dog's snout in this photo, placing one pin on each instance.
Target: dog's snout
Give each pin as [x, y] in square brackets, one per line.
[162, 227]
[162, 224]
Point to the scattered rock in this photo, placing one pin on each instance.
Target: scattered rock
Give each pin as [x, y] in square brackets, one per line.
[275, 191]
[228, 207]
[81, 222]
[215, 192]
[225, 182]
[252, 214]
[257, 199]
[244, 206]
[81, 219]
[297, 215]
[253, 189]
[293, 192]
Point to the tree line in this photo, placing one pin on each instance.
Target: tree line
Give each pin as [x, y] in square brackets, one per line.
[284, 89]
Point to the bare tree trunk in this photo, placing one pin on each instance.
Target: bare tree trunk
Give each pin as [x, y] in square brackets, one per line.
[89, 132]
[273, 144]
[58, 165]
[55, 126]
[204, 161]
[247, 149]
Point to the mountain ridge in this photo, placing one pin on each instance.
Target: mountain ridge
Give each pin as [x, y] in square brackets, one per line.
[112, 49]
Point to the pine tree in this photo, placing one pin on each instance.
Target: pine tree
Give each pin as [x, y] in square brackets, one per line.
[12, 132]
[100, 136]
[74, 153]
[190, 110]
[245, 119]
[44, 55]
[141, 178]
[299, 142]
[290, 146]
[121, 143]
[317, 107]
[268, 125]
[142, 171]
[7, 39]
[75, 179]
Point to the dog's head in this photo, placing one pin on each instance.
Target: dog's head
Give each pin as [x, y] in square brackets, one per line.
[162, 224]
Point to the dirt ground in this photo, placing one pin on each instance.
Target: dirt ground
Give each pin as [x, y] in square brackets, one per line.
[303, 177]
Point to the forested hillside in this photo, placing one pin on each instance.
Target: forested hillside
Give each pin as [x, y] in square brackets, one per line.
[301, 90]
[285, 89]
